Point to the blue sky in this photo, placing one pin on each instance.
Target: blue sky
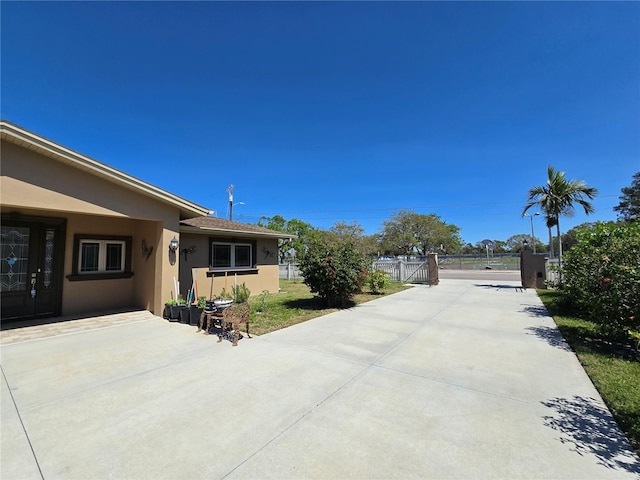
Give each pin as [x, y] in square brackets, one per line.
[338, 111]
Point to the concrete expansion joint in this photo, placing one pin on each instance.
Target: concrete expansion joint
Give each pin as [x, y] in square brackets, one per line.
[24, 429]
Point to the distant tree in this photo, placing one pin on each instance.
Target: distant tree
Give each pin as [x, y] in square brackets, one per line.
[570, 239]
[294, 247]
[397, 236]
[497, 246]
[408, 233]
[500, 246]
[342, 233]
[469, 248]
[629, 206]
[558, 197]
[515, 243]
[348, 232]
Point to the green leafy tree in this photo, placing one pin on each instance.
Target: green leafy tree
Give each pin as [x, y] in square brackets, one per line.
[407, 233]
[497, 246]
[354, 234]
[397, 237]
[570, 239]
[335, 272]
[557, 198]
[515, 243]
[469, 248]
[602, 276]
[293, 247]
[629, 206]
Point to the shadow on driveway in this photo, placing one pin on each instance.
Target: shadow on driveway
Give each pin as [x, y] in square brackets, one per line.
[591, 429]
[517, 288]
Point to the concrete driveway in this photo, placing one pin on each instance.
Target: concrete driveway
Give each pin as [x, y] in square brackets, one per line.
[468, 379]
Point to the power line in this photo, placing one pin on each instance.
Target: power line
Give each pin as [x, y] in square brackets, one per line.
[393, 209]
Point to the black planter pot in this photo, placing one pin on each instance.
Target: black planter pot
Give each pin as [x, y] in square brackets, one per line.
[184, 314]
[194, 315]
[174, 314]
[166, 313]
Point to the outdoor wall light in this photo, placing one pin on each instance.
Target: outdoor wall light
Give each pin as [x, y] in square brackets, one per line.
[173, 245]
[525, 244]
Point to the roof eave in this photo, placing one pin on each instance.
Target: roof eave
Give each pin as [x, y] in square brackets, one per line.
[22, 137]
[225, 231]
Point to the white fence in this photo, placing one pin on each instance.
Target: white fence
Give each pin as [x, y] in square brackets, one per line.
[404, 270]
[398, 270]
[289, 271]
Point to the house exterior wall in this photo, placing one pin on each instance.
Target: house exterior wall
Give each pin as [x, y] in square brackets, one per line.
[196, 266]
[33, 184]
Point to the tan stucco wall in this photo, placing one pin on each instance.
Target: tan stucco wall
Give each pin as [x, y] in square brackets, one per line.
[32, 184]
[197, 264]
[31, 180]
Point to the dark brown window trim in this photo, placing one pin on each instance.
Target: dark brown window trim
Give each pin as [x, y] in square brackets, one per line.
[99, 276]
[219, 272]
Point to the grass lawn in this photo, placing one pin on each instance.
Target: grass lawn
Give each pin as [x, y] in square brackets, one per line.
[612, 368]
[295, 304]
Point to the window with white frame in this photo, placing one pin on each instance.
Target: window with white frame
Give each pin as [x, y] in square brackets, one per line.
[101, 257]
[231, 255]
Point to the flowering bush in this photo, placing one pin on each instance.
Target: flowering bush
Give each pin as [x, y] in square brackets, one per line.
[335, 273]
[601, 276]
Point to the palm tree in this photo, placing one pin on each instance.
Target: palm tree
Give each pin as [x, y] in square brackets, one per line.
[550, 222]
[558, 197]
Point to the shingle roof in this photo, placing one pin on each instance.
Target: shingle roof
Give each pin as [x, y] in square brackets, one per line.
[227, 226]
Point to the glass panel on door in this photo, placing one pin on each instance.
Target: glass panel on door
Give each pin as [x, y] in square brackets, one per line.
[14, 248]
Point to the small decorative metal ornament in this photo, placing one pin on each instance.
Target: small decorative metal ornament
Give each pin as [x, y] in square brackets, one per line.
[187, 251]
[146, 251]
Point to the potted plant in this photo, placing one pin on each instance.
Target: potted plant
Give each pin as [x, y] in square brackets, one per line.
[173, 313]
[240, 293]
[184, 311]
[176, 309]
[196, 311]
[223, 301]
[167, 309]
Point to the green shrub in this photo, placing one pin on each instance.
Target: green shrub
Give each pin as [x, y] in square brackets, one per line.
[334, 272]
[263, 300]
[377, 281]
[601, 276]
[202, 302]
[240, 293]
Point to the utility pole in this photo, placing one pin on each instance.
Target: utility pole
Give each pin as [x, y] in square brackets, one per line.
[533, 238]
[230, 190]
